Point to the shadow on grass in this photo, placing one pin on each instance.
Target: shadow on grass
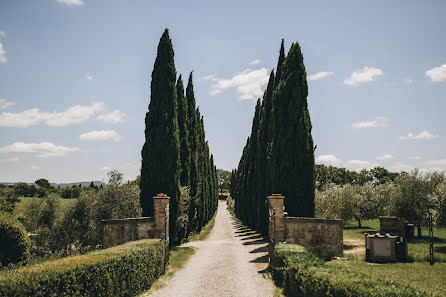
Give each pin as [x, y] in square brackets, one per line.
[426, 240]
[365, 228]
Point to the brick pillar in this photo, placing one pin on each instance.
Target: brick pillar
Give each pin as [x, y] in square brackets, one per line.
[275, 202]
[161, 215]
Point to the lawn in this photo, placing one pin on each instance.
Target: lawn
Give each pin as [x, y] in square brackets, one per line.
[417, 274]
[418, 247]
[25, 201]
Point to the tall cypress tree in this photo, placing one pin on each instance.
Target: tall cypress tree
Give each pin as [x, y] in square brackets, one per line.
[183, 124]
[160, 170]
[292, 145]
[193, 136]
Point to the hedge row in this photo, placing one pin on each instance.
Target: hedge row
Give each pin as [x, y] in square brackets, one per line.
[14, 241]
[301, 274]
[124, 270]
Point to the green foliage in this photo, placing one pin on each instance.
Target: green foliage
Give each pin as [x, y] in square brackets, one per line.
[160, 170]
[183, 125]
[125, 270]
[23, 189]
[43, 183]
[7, 202]
[76, 226]
[439, 198]
[279, 155]
[224, 180]
[175, 151]
[14, 241]
[69, 193]
[301, 274]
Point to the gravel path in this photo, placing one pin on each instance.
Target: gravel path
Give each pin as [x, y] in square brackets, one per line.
[227, 263]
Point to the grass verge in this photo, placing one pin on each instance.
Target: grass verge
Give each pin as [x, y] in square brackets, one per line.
[205, 231]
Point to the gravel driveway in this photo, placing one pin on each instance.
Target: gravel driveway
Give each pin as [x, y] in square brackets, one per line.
[225, 264]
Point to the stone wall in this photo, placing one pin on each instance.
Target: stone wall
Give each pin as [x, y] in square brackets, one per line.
[119, 231]
[116, 232]
[322, 237]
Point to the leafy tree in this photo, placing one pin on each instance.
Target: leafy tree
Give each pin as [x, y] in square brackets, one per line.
[7, 202]
[43, 183]
[160, 170]
[224, 180]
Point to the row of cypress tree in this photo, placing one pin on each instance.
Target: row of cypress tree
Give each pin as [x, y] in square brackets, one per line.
[175, 153]
[279, 155]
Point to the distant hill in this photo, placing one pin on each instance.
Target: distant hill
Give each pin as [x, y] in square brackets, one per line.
[83, 184]
[65, 185]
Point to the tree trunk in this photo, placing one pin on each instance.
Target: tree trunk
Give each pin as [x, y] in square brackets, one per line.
[419, 230]
[359, 222]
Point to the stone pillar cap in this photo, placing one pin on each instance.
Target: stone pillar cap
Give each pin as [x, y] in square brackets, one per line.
[161, 196]
[276, 196]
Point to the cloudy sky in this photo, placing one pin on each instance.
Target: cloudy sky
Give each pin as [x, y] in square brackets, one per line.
[75, 76]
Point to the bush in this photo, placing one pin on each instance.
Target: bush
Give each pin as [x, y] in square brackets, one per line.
[124, 270]
[14, 241]
[301, 274]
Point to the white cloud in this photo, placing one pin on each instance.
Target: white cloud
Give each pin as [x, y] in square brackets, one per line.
[319, 75]
[2, 34]
[4, 104]
[74, 115]
[437, 74]
[10, 160]
[249, 83]
[376, 123]
[329, 160]
[255, 62]
[423, 135]
[105, 168]
[384, 157]
[399, 166]
[437, 163]
[414, 158]
[114, 117]
[362, 76]
[88, 76]
[358, 165]
[35, 167]
[101, 135]
[2, 54]
[408, 80]
[71, 2]
[42, 150]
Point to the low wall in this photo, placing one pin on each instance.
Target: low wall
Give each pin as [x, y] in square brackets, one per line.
[116, 232]
[322, 237]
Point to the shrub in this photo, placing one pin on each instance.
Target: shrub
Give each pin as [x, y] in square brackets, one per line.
[301, 274]
[14, 241]
[124, 270]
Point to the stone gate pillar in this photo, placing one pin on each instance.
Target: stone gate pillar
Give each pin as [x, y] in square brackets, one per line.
[275, 202]
[161, 216]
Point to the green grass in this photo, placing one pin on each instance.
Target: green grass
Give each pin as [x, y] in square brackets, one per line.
[25, 201]
[420, 275]
[418, 247]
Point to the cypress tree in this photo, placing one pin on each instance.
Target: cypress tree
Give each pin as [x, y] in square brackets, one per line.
[160, 170]
[280, 63]
[193, 136]
[183, 124]
[292, 145]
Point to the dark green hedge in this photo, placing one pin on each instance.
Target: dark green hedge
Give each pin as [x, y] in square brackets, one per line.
[14, 241]
[124, 270]
[301, 274]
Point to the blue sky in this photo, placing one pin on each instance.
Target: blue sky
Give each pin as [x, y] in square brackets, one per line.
[75, 76]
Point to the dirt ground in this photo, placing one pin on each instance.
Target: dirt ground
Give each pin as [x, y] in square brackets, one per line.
[230, 262]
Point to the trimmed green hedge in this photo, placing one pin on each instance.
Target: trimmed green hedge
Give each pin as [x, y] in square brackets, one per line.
[124, 270]
[301, 274]
[14, 241]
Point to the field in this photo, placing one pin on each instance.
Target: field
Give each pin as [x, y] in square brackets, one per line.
[25, 201]
[417, 274]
